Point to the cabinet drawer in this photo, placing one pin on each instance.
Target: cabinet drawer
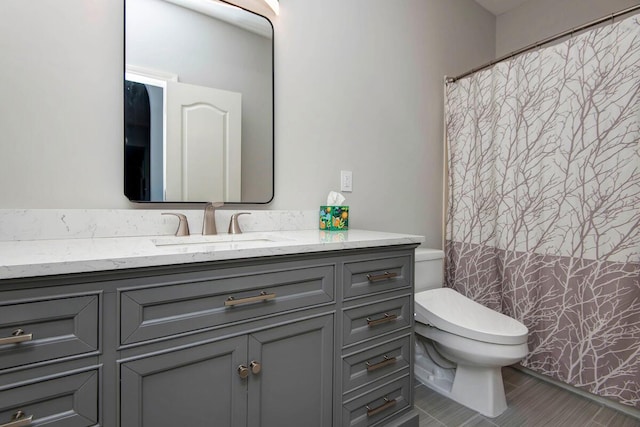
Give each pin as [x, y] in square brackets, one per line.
[52, 328]
[371, 320]
[376, 362]
[377, 275]
[380, 403]
[70, 400]
[161, 311]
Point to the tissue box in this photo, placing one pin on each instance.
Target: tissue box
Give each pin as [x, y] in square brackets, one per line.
[334, 217]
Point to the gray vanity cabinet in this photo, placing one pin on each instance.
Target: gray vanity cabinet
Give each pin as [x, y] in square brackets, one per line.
[316, 340]
[268, 378]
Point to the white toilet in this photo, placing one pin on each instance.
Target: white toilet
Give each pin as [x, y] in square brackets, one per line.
[461, 346]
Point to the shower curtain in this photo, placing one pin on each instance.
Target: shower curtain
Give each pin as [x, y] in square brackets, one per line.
[543, 211]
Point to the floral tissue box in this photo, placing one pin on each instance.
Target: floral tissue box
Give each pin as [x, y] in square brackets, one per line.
[334, 217]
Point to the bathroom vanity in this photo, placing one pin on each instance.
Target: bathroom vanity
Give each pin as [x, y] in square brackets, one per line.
[302, 328]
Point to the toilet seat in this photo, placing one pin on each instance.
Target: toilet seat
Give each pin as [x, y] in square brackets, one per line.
[452, 312]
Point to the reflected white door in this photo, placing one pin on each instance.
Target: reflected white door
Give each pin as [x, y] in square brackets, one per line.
[203, 148]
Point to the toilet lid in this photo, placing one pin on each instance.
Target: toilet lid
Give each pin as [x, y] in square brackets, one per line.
[452, 312]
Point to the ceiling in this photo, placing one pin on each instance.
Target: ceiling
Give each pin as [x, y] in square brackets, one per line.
[498, 7]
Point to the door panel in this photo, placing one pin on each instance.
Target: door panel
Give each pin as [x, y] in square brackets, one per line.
[203, 158]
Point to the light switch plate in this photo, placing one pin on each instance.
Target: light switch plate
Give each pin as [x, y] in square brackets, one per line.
[346, 181]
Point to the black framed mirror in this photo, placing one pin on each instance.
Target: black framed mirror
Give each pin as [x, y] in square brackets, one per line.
[198, 102]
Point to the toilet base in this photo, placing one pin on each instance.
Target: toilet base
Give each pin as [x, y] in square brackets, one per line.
[480, 388]
[477, 388]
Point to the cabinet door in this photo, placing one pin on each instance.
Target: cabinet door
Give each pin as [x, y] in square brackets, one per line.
[294, 385]
[195, 386]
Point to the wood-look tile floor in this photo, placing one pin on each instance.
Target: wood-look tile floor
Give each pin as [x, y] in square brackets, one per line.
[531, 401]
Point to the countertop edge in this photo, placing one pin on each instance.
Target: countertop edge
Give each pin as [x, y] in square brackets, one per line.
[136, 253]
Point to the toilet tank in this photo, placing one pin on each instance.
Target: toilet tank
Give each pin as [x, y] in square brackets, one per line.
[429, 269]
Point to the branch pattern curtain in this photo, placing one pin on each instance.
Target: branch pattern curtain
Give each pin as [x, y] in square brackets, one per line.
[543, 216]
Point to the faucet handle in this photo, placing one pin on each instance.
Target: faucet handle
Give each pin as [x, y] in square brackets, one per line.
[234, 227]
[183, 225]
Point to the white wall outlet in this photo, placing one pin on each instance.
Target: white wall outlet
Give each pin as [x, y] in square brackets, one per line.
[346, 181]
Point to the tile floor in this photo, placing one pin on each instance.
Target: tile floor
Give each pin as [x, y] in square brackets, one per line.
[532, 402]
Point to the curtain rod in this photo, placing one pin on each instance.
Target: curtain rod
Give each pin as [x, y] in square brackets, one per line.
[545, 41]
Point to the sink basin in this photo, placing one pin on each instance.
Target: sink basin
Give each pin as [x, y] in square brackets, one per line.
[221, 241]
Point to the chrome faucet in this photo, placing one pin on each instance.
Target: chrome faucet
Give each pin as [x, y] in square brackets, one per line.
[209, 222]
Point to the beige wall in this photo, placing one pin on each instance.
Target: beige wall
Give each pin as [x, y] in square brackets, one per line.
[358, 87]
[536, 20]
[61, 125]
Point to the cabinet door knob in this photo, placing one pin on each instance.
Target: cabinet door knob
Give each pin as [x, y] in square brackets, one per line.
[19, 419]
[255, 367]
[17, 336]
[243, 371]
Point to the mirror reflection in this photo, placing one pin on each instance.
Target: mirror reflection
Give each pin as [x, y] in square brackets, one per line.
[198, 102]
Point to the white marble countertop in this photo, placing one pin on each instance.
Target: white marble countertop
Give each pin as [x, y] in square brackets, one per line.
[30, 258]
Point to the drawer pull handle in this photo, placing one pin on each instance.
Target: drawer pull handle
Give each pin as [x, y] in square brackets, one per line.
[16, 336]
[385, 362]
[383, 276]
[231, 301]
[386, 405]
[387, 318]
[19, 419]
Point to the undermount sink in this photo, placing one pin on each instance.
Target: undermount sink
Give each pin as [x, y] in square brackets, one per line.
[231, 241]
